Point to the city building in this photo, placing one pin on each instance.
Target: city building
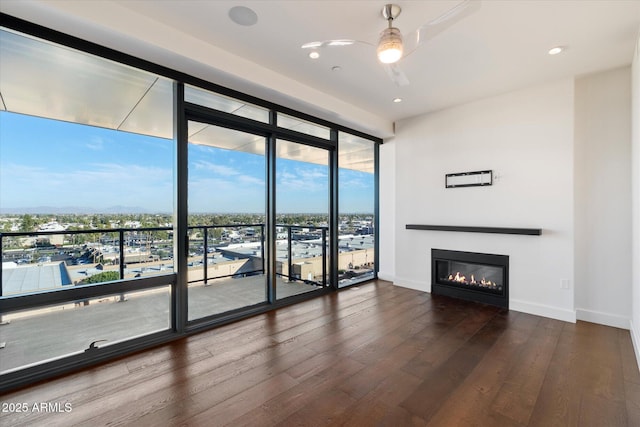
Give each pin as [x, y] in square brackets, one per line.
[558, 133]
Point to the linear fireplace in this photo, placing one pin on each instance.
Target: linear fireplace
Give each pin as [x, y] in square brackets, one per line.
[471, 276]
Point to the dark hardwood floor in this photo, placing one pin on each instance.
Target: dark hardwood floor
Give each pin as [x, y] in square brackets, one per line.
[373, 355]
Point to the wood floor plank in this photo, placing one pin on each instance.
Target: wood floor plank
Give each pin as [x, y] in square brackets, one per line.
[204, 391]
[351, 333]
[374, 407]
[461, 328]
[327, 407]
[375, 355]
[236, 406]
[585, 365]
[399, 416]
[596, 411]
[450, 373]
[485, 382]
[295, 399]
[632, 394]
[630, 365]
[96, 394]
[373, 374]
[521, 387]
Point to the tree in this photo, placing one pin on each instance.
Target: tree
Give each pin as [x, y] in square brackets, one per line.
[27, 223]
[105, 276]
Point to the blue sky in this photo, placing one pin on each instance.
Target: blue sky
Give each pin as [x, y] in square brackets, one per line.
[47, 163]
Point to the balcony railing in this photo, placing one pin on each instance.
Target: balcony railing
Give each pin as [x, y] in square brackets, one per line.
[201, 246]
[151, 249]
[313, 237]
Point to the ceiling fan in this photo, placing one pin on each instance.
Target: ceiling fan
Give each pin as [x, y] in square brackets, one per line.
[391, 47]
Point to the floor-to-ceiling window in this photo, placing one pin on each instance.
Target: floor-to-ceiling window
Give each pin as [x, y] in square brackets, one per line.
[226, 209]
[86, 200]
[302, 215]
[357, 219]
[226, 265]
[118, 231]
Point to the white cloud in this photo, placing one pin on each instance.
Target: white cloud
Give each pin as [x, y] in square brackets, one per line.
[96, 143]
[250, 180]
[309, 179]
[222, 195]
[215, 168]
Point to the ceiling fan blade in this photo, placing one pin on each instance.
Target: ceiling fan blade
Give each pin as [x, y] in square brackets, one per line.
[336, 42]
[397, 76]
[442, 22]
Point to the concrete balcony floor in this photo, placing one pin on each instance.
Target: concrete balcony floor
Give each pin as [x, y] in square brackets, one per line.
[37, 335]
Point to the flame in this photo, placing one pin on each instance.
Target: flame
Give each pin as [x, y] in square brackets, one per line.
[457, 278]
[461, 278]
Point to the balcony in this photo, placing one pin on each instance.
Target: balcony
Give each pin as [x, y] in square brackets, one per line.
[72, 274]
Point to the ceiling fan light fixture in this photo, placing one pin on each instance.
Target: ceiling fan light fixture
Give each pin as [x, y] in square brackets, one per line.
[390, 46]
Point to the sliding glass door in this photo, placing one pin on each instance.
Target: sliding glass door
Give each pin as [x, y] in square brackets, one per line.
[226, 221]
[357, 219]
[302, 218]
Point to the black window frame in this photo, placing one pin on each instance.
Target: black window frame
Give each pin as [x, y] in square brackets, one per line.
[183, 112]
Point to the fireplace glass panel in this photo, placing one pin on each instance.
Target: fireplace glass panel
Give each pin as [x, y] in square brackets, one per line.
[470, 275]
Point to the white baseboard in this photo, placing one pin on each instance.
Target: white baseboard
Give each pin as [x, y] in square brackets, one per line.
[525, 307]
[635, 340]
[543, 310]
[601, 318]
[412, 284]
[386, 276]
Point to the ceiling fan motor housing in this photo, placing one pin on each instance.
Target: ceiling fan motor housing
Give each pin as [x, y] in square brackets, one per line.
[391, 11]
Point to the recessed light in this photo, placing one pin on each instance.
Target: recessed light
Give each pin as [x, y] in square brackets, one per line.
[556, 50]
[242, 15]
[314, 54]
[336, 68]
[397, 100]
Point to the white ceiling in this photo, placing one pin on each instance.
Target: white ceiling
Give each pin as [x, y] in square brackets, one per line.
[501, 47]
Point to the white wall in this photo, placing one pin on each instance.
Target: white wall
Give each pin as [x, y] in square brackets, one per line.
[603, 197]
[526, 138]
[635, 199]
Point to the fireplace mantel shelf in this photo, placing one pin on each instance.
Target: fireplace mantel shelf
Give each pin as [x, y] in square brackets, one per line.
[467, 229]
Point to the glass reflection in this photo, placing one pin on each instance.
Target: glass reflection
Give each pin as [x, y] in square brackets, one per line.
[356, 233]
